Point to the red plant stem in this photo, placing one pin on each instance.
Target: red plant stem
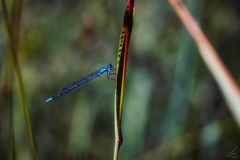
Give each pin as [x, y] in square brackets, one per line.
[130, 7]
[127, 24]
[227, 84]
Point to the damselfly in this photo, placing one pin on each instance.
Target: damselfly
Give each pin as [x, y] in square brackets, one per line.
[108, 69]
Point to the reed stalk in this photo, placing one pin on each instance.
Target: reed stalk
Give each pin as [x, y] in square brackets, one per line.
[225, 81]
[12, 22]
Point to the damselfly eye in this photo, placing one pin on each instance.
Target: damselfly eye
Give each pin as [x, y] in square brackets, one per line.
[110, 66]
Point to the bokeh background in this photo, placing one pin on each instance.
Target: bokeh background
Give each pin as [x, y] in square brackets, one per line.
[173, 108]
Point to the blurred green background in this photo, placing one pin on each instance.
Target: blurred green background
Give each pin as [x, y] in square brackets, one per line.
[173, 108]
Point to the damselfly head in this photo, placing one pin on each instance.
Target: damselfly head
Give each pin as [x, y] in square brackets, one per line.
[110, 66]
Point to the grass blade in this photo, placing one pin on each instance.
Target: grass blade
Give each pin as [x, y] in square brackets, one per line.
[6, 111]
[13, 27]
[183, 82]
[121, 68]
[226, 82]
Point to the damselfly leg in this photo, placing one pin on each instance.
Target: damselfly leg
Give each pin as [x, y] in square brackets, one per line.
[111, 73]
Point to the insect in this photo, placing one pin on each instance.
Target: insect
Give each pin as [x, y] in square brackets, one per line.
[108, 69]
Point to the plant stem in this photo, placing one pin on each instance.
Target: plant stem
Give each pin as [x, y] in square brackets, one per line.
[226, 82]
[13, 28]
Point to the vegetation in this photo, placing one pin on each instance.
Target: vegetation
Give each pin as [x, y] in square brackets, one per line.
[173, 107]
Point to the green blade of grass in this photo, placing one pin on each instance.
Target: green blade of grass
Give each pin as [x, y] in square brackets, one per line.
[182, 87]
[13, 27]
[137, 101]
[6, 111]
